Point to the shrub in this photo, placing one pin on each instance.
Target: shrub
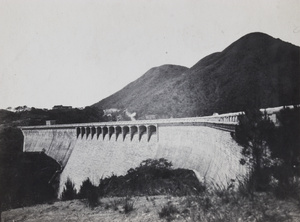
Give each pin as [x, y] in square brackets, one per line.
[85, 188]
[69, 192]
[246, 187]
[90, 192]
[161, 163]
[225, 193]
[115, 204]
[251, 182]
[152, 177]
[291, 189]
[168, 211]
[128, 205]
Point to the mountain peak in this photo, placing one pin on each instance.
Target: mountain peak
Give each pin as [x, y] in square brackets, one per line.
[256, 35]
[257, 70]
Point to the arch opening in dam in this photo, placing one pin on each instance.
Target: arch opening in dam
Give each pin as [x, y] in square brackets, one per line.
[118, 131]
[133, 131]
[93, 131]
[142, 131]
[111, 130]
[125, 131]
[99, 131]
[78, 131]
[88, 132]
[82, 132]
[151, 131]
[104, 132]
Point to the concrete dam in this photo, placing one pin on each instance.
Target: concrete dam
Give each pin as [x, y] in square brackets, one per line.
[96, 150]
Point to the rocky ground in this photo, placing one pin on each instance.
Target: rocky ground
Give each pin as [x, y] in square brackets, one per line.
[223, 206]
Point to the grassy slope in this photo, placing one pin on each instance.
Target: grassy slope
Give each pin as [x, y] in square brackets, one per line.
[210, 207]
[256, 70]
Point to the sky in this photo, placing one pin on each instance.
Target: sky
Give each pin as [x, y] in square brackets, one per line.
[77, 52]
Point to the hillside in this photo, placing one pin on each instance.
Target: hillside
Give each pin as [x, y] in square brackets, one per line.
[147, 95]
[256, 70]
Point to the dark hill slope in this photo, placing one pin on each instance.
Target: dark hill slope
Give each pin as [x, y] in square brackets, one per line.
[149, 94]
[256, 70]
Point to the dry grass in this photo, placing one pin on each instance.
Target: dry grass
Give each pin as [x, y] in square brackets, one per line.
[207, 208]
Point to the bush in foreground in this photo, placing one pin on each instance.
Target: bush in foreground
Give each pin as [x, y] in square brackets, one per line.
[128, 205]
[168, 212]
[90, 192]
[69, 192]
[152, 177]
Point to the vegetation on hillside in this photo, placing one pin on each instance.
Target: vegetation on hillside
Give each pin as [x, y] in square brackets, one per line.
[255, 70]
[61, 116]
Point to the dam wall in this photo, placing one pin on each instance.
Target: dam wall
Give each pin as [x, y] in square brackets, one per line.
[212, 153]
[98, 150]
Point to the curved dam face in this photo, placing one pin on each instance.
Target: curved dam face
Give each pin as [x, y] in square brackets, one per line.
[210, 152]
[94, 152]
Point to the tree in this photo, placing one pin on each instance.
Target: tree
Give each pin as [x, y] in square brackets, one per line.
[69, 192]
[287, 139]
[286, 147]
[254, 133]
[89, 191]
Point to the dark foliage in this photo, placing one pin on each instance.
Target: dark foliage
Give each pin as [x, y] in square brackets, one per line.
[69, 192]
[88, 114]
[286, 142]
[168, 212]
[152, 177]
[90, 192]
[161, 163]
[286, 147]
[24, 177]
[271, 151]
[62, 116]
[128, 205]
[288, 185]
[7, 116]
[255, 132]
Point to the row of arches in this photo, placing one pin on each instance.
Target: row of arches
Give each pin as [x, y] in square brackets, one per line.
[223, 119]
[229, 119]
[119, 132]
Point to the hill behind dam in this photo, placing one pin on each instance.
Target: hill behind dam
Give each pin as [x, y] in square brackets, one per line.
[257, 70]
